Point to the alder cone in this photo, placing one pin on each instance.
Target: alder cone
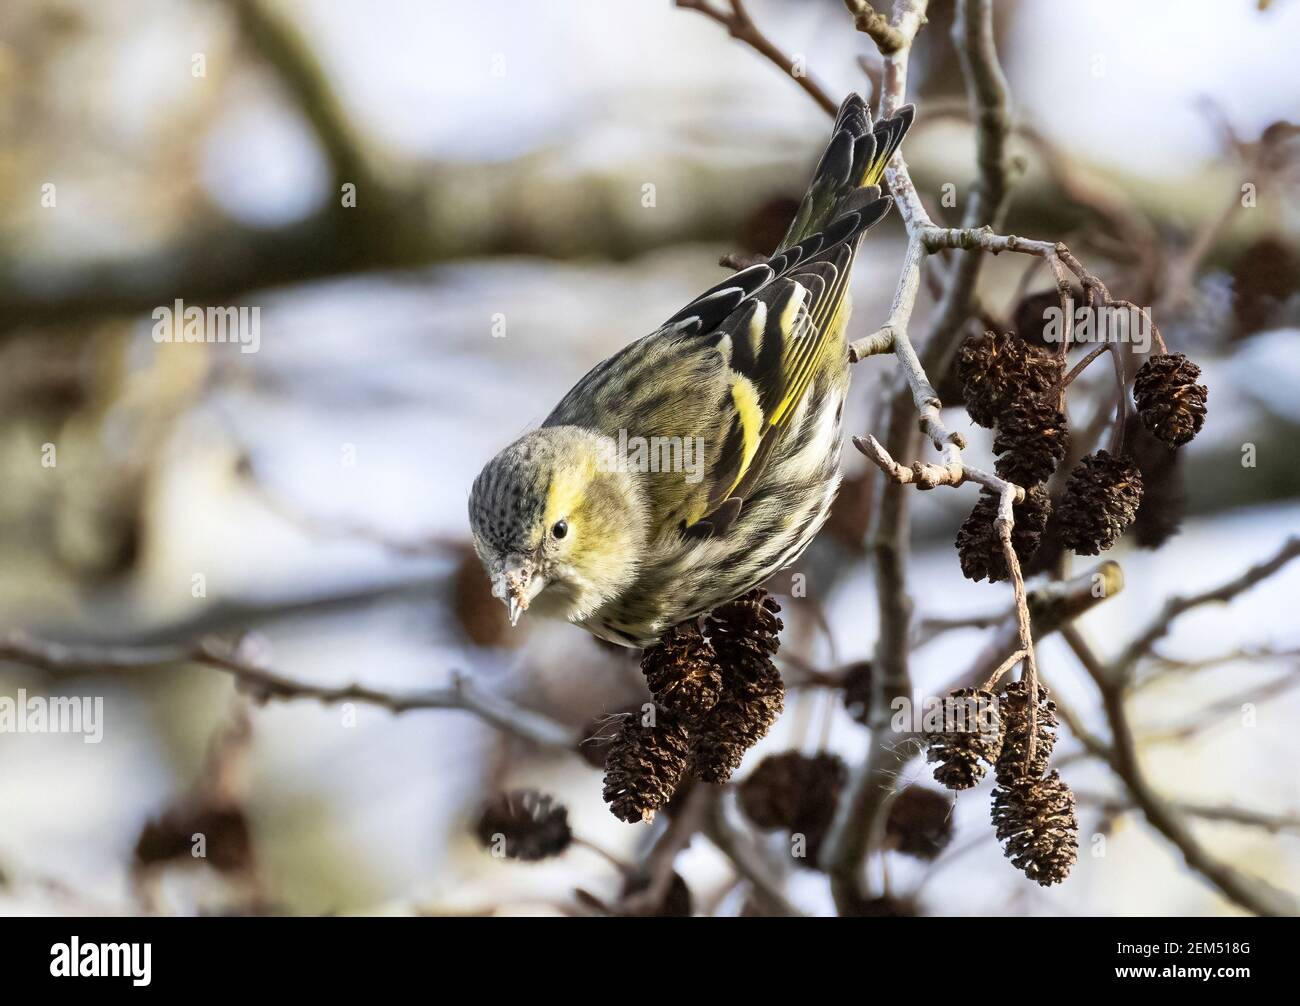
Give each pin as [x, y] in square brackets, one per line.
[979, 546]
[1031, 441]
[1100, 502]
[533, 824]
[682, 672]
[1168, 398]
[1036, 820]
[1015, 737]
[643, 766]
[963, 753]
[998, 368]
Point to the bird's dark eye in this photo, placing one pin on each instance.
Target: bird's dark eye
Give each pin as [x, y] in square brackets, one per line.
[561, 528]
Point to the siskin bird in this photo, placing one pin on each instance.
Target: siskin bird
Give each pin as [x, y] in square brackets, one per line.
[693, 464]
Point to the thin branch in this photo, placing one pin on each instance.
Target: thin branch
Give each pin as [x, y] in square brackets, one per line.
[931, 627]
[742, 28]
[1162, 666]
[1003, 668]
[1228, 813]
[928, 476]
[1082, 365]
[1251, 893]
[656, 869]
[1051, 605]
[1176, 606]
[859, 817]
[749, 863]
[972, 34]
[1274, 823]
[1004, 523]
[1211, 715]
[954, 473]
[888, 39]
[265, 684]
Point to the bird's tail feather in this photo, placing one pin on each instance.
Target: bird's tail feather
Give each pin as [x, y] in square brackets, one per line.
[850, 169]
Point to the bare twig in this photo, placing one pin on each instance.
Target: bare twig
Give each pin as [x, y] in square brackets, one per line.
[1211, 715]
[928, 476]
[858, 817]
[741, 26]
[1227, 813]
[265, 684]
[656, 870]
[1176, 606]
[888, 39]
[1051, 605]
[1251, 893]
[748, 861]
[972, 34]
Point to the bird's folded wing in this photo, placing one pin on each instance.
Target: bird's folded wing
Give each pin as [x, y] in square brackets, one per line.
[773, 324]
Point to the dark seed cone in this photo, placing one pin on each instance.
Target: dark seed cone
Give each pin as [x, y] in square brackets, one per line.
[1031, 440]
[644, 766]
[857, 691]
[1168, 398]
[1164, 486]
[736, 724]
[682, 672]
[599, 732]
[797, 793]
[773, 795]
[1030, 320]
[744, 634]
[968, 745]
[1261, 285]
[533, 825]
[997, 369]
[1015, 734]
[1036, 820]
[919, 822]
[1100, 501]
[979, 546]
[170, 837]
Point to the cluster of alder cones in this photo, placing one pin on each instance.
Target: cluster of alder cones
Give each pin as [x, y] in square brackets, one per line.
[716, 692]
[789, 791]
[1013, 386]
[1033, 810]
[799, 794]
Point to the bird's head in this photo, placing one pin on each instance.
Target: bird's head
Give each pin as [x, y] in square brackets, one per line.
[558, 528]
